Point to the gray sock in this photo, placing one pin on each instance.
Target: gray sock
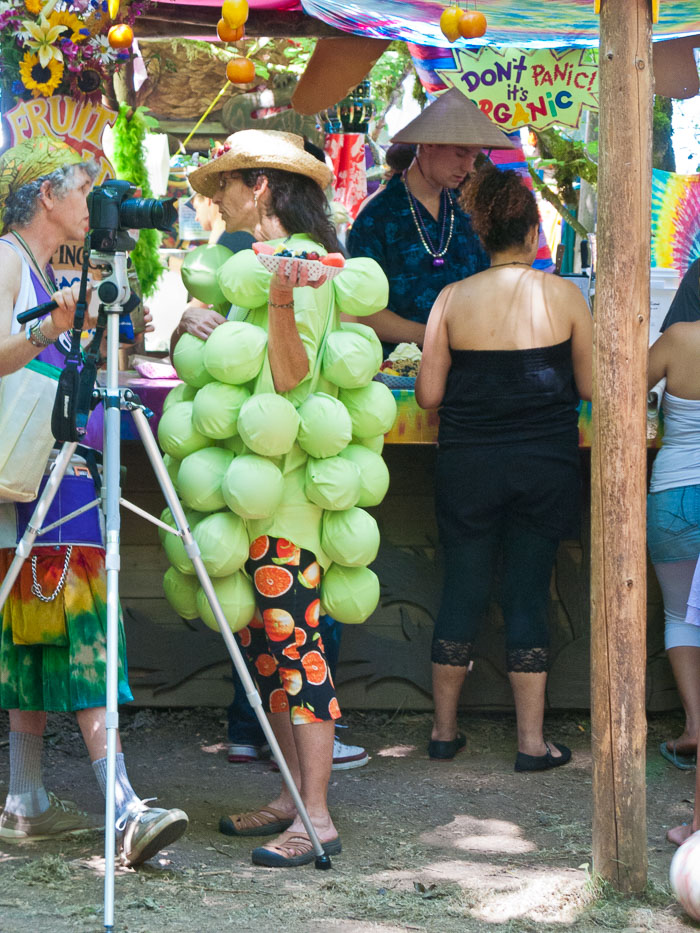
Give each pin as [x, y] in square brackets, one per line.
[124, 796]
[26, 795]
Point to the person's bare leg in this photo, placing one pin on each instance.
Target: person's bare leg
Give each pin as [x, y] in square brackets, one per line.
[448, 681]
[314, 750]
[31, 721]
[92, 725]
[679, 834]
[284, 733]
[528, 693]
[685, 663]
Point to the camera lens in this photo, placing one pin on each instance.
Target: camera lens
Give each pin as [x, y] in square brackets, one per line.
[141, 213]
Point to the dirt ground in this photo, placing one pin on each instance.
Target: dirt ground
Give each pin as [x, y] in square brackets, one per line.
[465, 846]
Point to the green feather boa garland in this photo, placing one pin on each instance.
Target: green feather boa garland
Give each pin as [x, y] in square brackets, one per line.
[130, 164]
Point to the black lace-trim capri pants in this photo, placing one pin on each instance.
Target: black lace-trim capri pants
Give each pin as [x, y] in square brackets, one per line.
[507, 503]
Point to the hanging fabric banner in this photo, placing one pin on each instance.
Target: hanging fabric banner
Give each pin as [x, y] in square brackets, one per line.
[675, 220]
[526, 87]
[526, 24]
[347, 153]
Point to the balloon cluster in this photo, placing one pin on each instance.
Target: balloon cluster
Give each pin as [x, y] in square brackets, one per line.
[225, 449]
[455, 22]
[231, 28]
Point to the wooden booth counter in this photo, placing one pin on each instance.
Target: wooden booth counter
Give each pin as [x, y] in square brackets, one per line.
[384, 663]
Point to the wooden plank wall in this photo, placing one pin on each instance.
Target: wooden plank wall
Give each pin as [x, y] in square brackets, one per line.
[384, 664]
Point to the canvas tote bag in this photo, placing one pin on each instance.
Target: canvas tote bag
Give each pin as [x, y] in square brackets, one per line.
[26, 402]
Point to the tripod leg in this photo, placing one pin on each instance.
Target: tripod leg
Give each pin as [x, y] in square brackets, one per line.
[41, 509]
[146, 435]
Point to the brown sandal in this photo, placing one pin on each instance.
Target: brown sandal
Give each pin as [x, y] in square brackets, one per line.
[291, 849]
[263, 822]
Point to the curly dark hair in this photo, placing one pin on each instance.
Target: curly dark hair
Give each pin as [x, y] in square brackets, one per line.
[502, 209]
[299, 204]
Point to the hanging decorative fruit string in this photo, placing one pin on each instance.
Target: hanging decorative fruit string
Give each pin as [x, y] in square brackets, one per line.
[455, 22]
[231, 28]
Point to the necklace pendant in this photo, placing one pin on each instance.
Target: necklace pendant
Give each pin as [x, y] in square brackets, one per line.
[438, 261]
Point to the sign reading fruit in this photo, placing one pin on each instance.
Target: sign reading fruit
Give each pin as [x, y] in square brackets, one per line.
[526, 87]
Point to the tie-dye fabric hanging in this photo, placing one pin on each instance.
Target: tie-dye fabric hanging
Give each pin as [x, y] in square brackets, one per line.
[525, 24]
[675, 220]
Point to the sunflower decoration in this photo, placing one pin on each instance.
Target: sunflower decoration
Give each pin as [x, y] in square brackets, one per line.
[41, 80]
[61, 46]
[69, 21]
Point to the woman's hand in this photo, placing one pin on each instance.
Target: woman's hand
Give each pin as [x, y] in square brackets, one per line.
[200, 322]
[294, 274]
[62, 316]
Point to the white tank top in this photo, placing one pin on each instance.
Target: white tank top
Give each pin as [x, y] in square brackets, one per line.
[678, 461]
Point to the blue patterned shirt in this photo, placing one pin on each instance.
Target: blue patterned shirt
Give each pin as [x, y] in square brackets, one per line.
[385, 231]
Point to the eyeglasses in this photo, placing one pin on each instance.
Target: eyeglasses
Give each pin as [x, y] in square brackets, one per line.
[225, 179]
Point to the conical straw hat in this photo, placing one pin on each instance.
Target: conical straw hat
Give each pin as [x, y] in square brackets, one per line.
[454, 120]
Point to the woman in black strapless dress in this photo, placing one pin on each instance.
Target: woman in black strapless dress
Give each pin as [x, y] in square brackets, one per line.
[507, 356]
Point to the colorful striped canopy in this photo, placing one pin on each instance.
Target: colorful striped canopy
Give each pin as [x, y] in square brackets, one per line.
[524, 24]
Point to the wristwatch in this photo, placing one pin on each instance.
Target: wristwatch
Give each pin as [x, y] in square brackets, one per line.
[36, 336]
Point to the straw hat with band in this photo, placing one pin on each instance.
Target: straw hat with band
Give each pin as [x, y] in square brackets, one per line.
[30, 160]
[454, 120]
[259, 149]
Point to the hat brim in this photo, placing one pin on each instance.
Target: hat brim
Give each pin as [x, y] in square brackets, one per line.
[453, 120]
[260, 149]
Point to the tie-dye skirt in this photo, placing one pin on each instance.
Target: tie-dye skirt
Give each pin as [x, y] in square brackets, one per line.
[68, 672]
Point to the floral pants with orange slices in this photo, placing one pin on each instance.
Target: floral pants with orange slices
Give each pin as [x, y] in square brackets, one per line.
[282, 640]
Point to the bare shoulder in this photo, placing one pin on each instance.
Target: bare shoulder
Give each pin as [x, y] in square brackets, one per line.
[683, 333]
[10, 259]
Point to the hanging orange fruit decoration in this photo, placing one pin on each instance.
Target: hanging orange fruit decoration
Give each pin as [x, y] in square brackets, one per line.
[449, 22]
[471, 24]
[240, 71]
[120, 36]
[234, 13]
[227, 34]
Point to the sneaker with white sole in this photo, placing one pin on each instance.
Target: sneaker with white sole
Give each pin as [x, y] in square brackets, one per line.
[143, 831]
[238, 753]
[348, 756]
[59, 820]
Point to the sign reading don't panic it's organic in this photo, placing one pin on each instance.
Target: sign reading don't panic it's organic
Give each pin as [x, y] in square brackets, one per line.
[526, 87]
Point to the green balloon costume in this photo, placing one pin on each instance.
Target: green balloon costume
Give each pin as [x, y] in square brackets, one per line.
[299, 465]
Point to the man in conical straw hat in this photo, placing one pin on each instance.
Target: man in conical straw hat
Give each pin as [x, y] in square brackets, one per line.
[415, 228]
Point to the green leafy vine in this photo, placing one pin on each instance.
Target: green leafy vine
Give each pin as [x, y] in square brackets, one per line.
[130, 131]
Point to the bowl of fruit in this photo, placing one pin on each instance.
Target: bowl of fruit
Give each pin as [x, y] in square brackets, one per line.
[318, 264]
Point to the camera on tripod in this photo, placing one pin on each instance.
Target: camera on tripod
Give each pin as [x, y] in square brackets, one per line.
[113, 213]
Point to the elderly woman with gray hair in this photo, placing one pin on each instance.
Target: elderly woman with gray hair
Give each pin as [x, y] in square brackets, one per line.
[52, 634]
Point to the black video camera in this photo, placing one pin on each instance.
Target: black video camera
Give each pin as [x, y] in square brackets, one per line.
[113, 213]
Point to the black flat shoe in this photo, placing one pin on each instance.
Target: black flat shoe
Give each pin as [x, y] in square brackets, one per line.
[525, 762]
[444, 751]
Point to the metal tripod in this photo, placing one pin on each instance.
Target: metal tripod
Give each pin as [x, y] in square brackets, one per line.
[116, 399]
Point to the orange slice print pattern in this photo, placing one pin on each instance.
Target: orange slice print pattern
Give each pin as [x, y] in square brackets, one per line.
[312, 614]
[291, 680]
[279, 624]
[259, 548]
[302, 714]
[288, 553]
[278, 701]
[272, 581]
[315, 666]
[266, 665]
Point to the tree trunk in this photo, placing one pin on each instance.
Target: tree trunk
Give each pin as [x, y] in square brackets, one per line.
[618, 570]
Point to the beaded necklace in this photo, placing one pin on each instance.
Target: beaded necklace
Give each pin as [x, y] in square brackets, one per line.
[436, 254]
[50, 287]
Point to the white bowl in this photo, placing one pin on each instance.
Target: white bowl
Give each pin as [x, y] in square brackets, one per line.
[316, 268]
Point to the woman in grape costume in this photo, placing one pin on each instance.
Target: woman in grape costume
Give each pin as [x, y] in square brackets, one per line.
[274, 440]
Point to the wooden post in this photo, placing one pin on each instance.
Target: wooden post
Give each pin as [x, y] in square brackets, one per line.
[618, 466]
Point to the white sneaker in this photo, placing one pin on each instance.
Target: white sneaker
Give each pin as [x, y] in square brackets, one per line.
[348, 756]
[144, 831]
